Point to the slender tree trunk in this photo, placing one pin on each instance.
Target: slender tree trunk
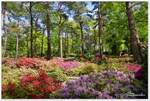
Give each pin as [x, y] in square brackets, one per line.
[35, 47]
[4, 29]
[42, 44]
[95, 41]
[100, 30]
[71, 49]
[61, 50]
[48, 35]
[59, 32]
[35, 37]
[17, 45]
[28, 53]
[17, 41]
[134, 38]
[67, 44]
[82, 45]
[31, 30]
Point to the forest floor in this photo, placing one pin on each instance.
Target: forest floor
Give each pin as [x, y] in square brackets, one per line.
[114, 77]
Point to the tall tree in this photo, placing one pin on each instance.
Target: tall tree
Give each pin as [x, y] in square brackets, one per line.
[100, 28]
[31, 29]
[134, 37]
[48, 32]
[4, 45]
[62, 18]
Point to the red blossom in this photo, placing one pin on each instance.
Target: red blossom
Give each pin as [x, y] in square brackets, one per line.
[26, 79]
[27, 62]
[4, 87]
[36, 83]
[11, 88]
[41, 83]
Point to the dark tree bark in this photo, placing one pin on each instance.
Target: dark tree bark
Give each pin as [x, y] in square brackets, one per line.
[42, 44]
[95, 41]
[134, 38]
[82, 46]
[59, 32]
[48, 34]
[100, 30]
[31, 30]
[67, 44]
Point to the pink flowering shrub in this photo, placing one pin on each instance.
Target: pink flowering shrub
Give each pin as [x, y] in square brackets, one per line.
[137, 69]
[66, 65]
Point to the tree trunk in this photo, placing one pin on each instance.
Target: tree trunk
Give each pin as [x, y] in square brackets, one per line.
[35, 37]
[67, 44]
[4, 29]
[59, 32]
[100, 30]
[35, 46]
[95, 41]
[42, 44]
[31, 30]
[82, 47]
[48, 35]
[28, 53]
[134, 38]
[61, 50]
[17, 44]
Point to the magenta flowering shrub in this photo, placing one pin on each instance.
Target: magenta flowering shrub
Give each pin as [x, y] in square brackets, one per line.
[105, 85]
[137, 69]
[66, 65]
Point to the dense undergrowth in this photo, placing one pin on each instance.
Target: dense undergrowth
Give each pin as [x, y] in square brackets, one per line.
[60, 78]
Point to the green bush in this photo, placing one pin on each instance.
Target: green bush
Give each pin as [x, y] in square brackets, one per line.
[58, 74]
[84, 69]
[13, 74]
[17, 91]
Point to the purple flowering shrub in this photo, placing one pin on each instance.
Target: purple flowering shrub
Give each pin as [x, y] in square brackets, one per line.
[104, 85]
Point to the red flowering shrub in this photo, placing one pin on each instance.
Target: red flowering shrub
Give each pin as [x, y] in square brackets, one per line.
[40, 85]
[137, 69]
[27, 62]
[8, 88]
[4, 88]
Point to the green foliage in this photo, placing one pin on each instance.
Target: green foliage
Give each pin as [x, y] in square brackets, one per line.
[84, 69]
[13, 74]
[58, 74]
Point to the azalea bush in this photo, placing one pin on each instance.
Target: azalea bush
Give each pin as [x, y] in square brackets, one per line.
[39, 86]
[12, 90]
[58, 74]
[105, 85]
[27, 63]
[65, 65]
[9, 62]
[14, 74]
[84, 69]
[22, 62]
[137, 69]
